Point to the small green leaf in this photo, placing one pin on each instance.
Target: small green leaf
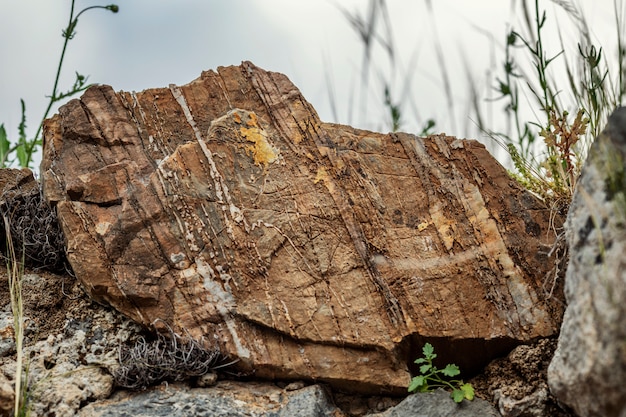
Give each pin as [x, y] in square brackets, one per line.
[457, 395]
[468, 391]
[420, 360]
[416, 383]
[4, 145]
[22, 157]
[451, 370]
[425, 368]
[428, 351]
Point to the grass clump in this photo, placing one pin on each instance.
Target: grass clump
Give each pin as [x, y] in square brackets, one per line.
[431, 377]
[551, 167]
[558, 90]
[15, 274]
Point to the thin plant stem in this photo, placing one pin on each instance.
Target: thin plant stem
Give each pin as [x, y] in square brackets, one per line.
[15, 272]
[68, 34]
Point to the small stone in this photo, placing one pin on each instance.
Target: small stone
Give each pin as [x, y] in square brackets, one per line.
[296, 385]
[206, 380]
[533, 405]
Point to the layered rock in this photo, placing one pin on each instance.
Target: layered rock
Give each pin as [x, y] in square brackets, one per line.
[226, 210]
[588, 371]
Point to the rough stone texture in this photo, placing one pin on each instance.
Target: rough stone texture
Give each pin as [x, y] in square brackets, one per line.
[16, 181]
[226, 209]
[7, 396]
[438, 404]
[70, 342]
[236, 399]
[226, 399]
[518, 383]
[588, 371]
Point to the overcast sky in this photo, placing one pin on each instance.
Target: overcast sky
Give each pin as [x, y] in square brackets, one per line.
[152, 43]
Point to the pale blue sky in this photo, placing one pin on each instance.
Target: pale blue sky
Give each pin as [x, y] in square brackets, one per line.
[152, 43]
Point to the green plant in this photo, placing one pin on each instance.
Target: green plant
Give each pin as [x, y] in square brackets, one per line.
[22, 149]
[431, 377]
[550, 168]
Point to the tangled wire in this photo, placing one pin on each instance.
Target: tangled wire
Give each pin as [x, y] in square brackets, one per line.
[169, 358]
[35, 230]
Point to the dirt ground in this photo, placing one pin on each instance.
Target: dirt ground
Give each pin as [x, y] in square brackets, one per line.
[48, 302]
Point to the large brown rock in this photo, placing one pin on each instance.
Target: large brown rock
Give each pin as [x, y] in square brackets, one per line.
[226, 209]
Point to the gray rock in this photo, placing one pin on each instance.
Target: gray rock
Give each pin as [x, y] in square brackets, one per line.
[438, 404]
[588, 371]
[226, 399]
[67, 352]
[533, 405]
[252, 399]
[67, 370]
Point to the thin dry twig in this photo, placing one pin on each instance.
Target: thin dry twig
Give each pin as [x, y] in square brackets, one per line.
[35, 230]
[168, 357]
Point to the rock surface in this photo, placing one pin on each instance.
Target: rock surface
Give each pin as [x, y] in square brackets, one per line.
[70, 343]
[73, 343]
[7, 396]
[235, 399]
[438, 404]
[227, 210]
[15, 182]
[588, 371]
[518, 383]
[227, 399]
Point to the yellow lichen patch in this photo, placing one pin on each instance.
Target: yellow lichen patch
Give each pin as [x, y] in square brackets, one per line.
[253, 121]
[321, 175]
[262, 151]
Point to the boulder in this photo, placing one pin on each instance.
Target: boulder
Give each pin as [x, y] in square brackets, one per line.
[588, 371]
[226, 210]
